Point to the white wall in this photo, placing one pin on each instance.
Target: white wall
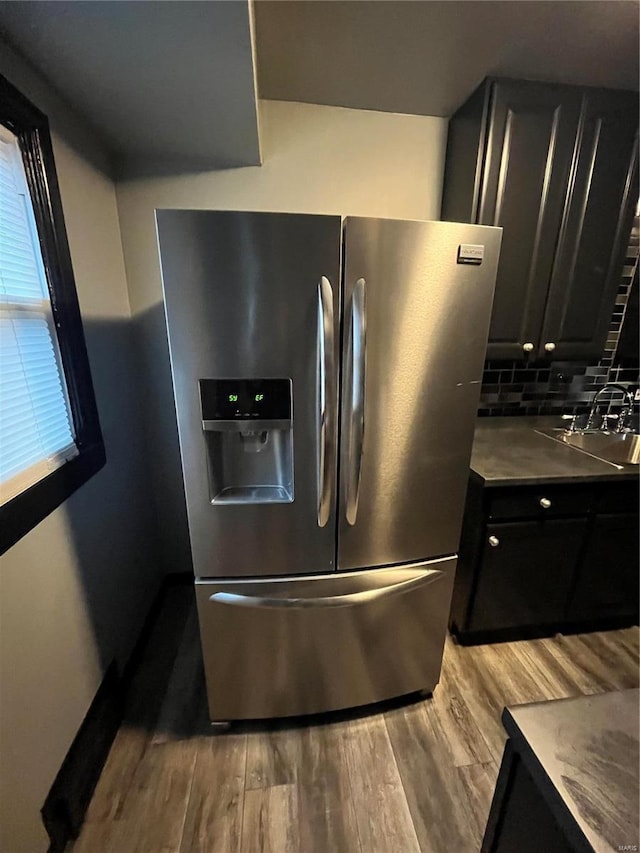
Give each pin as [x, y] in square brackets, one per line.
[75, 590]
[316, 159]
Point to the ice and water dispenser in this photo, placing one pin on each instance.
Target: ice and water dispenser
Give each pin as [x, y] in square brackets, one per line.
[248, 429]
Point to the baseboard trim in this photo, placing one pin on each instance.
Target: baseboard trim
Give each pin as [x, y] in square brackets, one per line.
[66, 803]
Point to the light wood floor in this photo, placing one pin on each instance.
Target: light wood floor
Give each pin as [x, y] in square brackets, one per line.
[412, 777]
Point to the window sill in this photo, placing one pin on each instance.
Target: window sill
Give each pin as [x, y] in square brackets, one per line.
[21, 514]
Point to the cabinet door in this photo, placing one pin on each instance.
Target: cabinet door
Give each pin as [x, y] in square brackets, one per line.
[532, 135]
[607, 584]
[525, 573]
[595, 230]
[466, 141]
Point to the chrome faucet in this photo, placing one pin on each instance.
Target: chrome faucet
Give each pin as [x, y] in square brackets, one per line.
[624, 412]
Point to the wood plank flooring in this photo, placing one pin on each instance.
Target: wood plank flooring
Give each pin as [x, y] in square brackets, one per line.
[412, 778]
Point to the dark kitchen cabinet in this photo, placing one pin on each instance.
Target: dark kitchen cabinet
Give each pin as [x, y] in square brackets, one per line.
[539, 559]
[607, 584]
[592, 245]
[567, 780]
[525, 573]
[520, 818]
[556, 167]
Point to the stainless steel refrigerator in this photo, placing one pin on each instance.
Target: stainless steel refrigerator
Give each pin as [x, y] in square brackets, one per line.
[326, 375]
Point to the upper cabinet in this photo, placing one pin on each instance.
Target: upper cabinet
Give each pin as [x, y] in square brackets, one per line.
[556, 168]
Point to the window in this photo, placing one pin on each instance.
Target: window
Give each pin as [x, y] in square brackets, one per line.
[50, 440]
[36, 433]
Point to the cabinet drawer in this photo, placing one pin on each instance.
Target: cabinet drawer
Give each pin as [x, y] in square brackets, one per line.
[618, 497]
[540, 502]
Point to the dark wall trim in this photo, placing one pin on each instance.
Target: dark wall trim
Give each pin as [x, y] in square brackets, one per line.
[67, 802]
[27, 509]
[64, 809]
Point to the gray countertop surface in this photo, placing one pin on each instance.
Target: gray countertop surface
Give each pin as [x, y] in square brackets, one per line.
[586, 749]
[509, 452]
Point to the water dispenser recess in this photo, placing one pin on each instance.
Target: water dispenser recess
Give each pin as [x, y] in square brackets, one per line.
[248, 430]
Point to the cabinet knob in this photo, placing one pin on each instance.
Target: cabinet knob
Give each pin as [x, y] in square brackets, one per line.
[528, 347]
[545, 503]
[549, 347]
[494, 541]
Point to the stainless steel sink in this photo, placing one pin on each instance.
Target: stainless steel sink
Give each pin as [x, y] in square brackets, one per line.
[615, 448]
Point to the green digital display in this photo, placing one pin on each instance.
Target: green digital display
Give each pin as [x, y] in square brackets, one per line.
[233, 398]
[245, 399]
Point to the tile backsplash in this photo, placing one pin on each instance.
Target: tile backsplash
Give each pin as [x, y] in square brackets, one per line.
[512, 388]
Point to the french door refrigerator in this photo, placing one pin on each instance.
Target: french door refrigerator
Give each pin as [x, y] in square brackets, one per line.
[326, 375]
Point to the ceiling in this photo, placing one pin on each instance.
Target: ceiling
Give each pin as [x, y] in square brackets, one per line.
[427, 57]
[172, 84]
[173, 81]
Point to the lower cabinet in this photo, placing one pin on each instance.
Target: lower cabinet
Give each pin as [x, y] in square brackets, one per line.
[535, 560]
[526, 572]
[520, 818]
[607, 584]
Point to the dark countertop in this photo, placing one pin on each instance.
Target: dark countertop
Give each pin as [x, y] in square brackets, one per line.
[585, 751]
[509, 452]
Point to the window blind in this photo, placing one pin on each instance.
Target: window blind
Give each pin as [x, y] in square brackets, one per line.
[36, 434]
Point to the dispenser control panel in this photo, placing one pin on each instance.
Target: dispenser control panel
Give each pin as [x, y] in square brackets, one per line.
[245, 399]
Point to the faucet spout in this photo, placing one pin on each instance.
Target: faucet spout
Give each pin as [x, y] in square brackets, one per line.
[623, 414]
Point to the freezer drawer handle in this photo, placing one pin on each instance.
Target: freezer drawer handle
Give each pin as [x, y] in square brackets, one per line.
[326, 374]
[357, 398]
[366, 596]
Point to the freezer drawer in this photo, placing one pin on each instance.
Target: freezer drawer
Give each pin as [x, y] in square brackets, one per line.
[303, 645]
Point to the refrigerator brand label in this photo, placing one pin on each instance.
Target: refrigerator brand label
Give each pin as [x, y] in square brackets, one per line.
[468, 253]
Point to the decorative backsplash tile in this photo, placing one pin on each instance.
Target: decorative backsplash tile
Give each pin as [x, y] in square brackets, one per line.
[511, 388]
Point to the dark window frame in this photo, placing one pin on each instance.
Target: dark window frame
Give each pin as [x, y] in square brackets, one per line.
[19, 515]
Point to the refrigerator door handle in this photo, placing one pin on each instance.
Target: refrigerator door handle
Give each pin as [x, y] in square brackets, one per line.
[358, 333]
[326, 375]
[349, 599]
